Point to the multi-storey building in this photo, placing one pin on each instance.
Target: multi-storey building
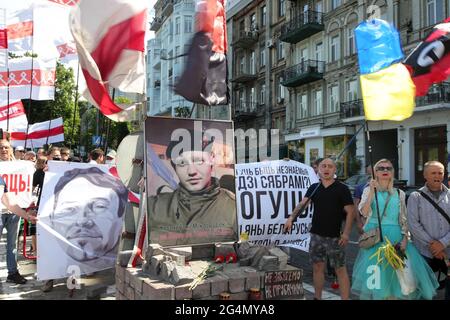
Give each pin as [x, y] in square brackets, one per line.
[258, 60]
[173, 25]
[324, 107]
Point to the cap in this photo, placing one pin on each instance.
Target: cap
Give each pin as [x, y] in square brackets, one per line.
[111, 154]
[20, 148]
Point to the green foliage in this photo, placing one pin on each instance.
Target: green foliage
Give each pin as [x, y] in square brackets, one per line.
[182, 112]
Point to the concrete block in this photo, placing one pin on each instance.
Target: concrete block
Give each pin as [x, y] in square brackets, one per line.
[202, 290]
[242, 249]
[245, 262]
[268, 263]
[157, 290]
[153, 249]
[182, 275]
[179, 259]
[252, 279]
[183, 292]
[120, 285]
[223, 249]
[256, 253]
[236, 280]
[239, 295]
[137, 295]
[129, 273]
[166, 270]
[183, 251]
[129, 293]
[210, 298]
[137, 281]
[219, 284]
[155, 264]
[123, 257]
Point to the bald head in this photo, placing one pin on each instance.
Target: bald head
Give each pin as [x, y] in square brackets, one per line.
[327, 169]
[433, 173]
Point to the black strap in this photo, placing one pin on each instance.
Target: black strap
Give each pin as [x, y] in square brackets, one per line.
[439, 209]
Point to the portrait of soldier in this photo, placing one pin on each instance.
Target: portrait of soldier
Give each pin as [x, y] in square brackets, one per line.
[199, 210]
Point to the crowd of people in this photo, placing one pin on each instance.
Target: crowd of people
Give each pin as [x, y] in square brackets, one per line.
[418, 227]
[11, 214]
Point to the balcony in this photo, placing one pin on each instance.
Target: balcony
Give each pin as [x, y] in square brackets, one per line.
[302, 73]
[156, 24]
[167, 7]
[246, 39]
[301, 27]
[438, 93]
[244, 76]
[350, 109]
[245, 110]
[157, 84]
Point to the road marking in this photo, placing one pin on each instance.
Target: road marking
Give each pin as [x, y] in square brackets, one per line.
[326, 295]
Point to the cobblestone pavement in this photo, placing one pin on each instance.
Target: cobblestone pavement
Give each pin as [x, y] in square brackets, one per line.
[32, 289]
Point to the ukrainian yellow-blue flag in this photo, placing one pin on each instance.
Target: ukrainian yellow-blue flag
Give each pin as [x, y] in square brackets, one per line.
[387, 88]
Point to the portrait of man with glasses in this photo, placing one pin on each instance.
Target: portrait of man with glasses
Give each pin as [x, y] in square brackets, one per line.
[83, 215]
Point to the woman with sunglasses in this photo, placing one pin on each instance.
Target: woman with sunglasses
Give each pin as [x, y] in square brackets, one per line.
[380, 281]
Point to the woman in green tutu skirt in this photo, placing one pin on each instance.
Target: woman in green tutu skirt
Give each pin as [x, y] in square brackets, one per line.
[374, 278]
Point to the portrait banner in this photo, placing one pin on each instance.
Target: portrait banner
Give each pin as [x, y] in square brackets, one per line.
[190, 181]
[80, 219]
[18, 176]
[266, 194]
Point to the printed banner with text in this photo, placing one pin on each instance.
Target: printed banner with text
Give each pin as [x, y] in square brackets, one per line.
[266, 194]
[18, 176]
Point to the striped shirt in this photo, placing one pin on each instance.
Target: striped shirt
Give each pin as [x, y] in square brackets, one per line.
[426, 223]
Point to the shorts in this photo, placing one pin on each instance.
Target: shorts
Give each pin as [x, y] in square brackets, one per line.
[321, 247]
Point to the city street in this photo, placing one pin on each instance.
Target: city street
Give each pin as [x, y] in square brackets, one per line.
[104, 281]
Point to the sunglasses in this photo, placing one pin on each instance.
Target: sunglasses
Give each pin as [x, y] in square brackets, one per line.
[384, 168]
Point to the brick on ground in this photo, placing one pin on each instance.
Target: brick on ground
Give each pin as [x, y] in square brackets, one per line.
[202, 290]
[236, 280]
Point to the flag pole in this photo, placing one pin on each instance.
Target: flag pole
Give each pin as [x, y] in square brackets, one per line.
[75, 108]
[369, 147]
[108, 121]
[7, 94]
[305, 205]
[31, 87]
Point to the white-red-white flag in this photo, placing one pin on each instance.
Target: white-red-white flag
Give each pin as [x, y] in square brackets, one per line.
[39, 134]
[20, 30]
[110, 36]
[13, 117]
[28, 78]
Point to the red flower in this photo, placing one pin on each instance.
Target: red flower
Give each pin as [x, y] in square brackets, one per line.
[219, 259]
[231, 258]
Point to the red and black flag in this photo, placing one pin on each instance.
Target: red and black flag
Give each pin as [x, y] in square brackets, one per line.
[205, 78]
[430, 61]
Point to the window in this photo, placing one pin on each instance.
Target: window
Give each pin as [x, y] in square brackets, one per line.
[352, 90]
[335, 4]
[281, 8]
[319, 7]
[334, 99]
[187, 24]
[253, 22]
[351, 40]
[262, 94]
[252, 63]
[319, 51]
[252, 98]
[177, 53]
[302, 106]
[242, 64]
[435, 11]
[280, 88]
[177, 25]
[262, 57]
[280, 50]
[317, 105]
[263, 16]
[242, 26]
[334, 54]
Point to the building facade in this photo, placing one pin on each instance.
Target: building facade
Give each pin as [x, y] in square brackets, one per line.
[173, 25]
[324, 106]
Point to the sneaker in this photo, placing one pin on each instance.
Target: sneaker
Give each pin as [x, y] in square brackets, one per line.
[48, 286]
[16, 278]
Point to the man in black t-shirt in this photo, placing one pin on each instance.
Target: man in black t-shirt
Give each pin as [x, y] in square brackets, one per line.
[331, 200]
